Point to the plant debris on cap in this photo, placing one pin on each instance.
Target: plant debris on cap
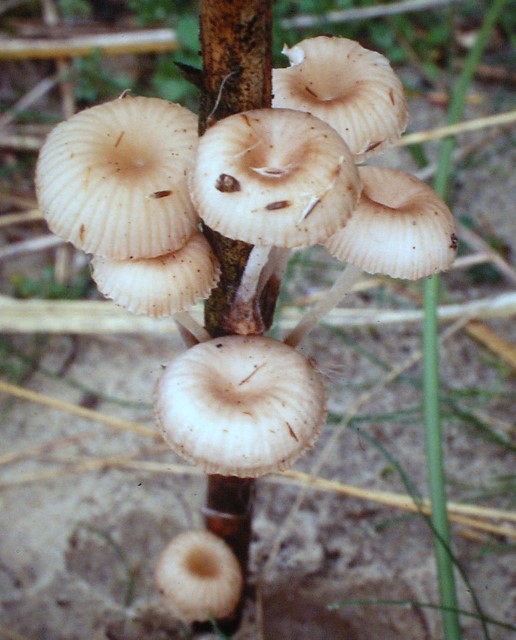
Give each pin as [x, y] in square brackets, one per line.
[352, 88]
[199, 577]
[240, 405]
[112, 178]
[400, 228]
[274, 177]
[163, 285]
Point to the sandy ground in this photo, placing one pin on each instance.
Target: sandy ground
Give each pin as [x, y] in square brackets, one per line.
[78, 543]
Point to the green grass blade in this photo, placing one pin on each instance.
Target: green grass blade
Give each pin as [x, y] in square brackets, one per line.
[436, 480]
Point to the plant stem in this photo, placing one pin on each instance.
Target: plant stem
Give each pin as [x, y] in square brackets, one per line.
[435, 464]
[236, 40]
[436, 477]
[331, 298]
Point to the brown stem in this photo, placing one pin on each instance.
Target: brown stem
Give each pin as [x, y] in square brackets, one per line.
[236, 40]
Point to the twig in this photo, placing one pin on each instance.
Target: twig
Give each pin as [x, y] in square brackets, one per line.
[73, 409]
[100, 318]
[497, 120]
[479, 244]
[19, 201]
[145, 41]
[503, 349]
[502, 305]
[473, 516]
[38, 91]
[33, 245]
[377, 11]
[400, 501]
[33, 215]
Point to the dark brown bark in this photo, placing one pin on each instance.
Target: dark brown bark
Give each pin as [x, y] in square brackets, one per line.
[236, 39]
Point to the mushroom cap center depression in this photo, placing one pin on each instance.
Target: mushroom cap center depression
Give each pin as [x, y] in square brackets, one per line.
[240, 389]
[202, 564]
[272, 160]
[126, 155]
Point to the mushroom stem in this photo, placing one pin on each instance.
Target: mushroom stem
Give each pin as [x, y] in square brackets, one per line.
[245, 317]
[249, 288]
[228, 513]
[275, 267]
[191, 327]
[342, 285]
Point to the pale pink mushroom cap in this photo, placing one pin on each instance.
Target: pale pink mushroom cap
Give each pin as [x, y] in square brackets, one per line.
[400, 228]
[163, 285]
[198, 577]
[240, 405]
[112, 178]
[274, 177]
[351, 88]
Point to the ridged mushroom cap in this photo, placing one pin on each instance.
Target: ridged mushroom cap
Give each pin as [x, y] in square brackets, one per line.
[350, 87]
[163, 285]
[274, 177]
[112, 178]
[240, 405]
[400, 228]
[198, 577]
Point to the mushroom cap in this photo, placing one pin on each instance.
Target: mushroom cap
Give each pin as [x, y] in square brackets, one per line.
[274, 177]
[240, 405]
[352, 88]
[112, 178]
[400, 228]
[198, 577]
[163, 285]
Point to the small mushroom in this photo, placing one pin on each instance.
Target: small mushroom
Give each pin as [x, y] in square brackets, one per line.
[351, 88]
[112, 178]
[160, 286]
[274, 177]
[240, 405]
[400, 228]
[198, 577]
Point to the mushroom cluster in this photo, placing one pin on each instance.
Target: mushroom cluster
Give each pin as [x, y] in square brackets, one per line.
[130, 182]
[112, 180]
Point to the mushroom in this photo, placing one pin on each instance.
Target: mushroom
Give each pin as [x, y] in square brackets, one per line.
[199, 577]
[352, 88]
[400, 228]
[274, 177]
[160, 286]
[240, 405]
[112, 178]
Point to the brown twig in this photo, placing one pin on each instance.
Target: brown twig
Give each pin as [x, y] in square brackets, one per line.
[109, 44]
[363, 13]
[76, 410]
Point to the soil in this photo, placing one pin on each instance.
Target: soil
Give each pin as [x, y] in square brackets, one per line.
[78, 544]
